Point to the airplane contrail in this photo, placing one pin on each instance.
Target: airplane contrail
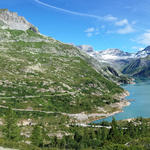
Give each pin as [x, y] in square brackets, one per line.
[69, 11]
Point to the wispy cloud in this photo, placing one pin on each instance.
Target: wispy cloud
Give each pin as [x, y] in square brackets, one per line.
[126, 26]
[91, 31]
[69, 11]
[104, 18]
[89, 34]
[121, 22]
[110, 18]
[127, 29]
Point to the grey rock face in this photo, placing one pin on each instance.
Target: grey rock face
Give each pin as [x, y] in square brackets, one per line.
[11, 20]
[86, 48]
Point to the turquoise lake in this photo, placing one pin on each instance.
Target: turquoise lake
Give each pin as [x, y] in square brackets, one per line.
[140, 107]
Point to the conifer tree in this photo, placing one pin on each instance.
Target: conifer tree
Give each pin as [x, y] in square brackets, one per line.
[11, 130]
[36, 137]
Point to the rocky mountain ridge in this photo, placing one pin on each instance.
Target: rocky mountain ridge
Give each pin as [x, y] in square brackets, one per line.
[120, 59]
[114, 53]
[11, 20]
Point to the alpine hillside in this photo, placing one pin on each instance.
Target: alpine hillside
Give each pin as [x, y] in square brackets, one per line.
[41, 73]
[51, 91]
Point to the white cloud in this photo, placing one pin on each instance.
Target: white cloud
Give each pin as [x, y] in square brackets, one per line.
[89, 34]
[123, 27]
[127, 26]
[69, 11]
[110, 18]
[122, 22]
[90, 30]
[144, 38]
[105, 18]
[127, 29]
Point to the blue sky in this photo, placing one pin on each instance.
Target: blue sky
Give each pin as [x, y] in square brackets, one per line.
[102, 24]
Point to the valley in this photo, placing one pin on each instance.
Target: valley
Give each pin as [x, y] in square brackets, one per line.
[50, 92]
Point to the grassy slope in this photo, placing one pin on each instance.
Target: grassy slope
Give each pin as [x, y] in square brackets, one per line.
[58, 75]
[40, 73]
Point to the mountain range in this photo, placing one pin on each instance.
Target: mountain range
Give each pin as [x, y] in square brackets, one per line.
[133, 64]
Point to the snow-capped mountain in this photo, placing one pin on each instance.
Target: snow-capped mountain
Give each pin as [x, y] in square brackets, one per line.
[140, 67]
[143, 53]
[114, 54]
[106, 55]
[88, 49]
[115, 57]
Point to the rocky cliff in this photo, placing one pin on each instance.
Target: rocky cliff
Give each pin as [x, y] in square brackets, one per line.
[11, 20]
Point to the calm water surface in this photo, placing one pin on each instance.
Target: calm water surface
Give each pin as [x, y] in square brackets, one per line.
[140, 92]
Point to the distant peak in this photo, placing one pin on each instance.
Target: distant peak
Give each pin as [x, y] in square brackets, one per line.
[114, 51]
[86, 48]
[12, 20]
[147, 48]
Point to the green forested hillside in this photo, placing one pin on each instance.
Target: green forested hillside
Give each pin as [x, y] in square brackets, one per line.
[41, 73]
[122, 135]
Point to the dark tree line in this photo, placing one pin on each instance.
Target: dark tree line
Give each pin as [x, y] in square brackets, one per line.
[118, 137]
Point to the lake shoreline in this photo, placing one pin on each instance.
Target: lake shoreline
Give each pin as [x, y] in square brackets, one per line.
[91, 117]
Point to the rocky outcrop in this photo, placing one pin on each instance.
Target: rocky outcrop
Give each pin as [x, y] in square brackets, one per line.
[11, 20]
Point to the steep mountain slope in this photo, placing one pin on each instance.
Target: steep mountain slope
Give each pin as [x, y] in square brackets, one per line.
[139, 67]
[40, 73]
